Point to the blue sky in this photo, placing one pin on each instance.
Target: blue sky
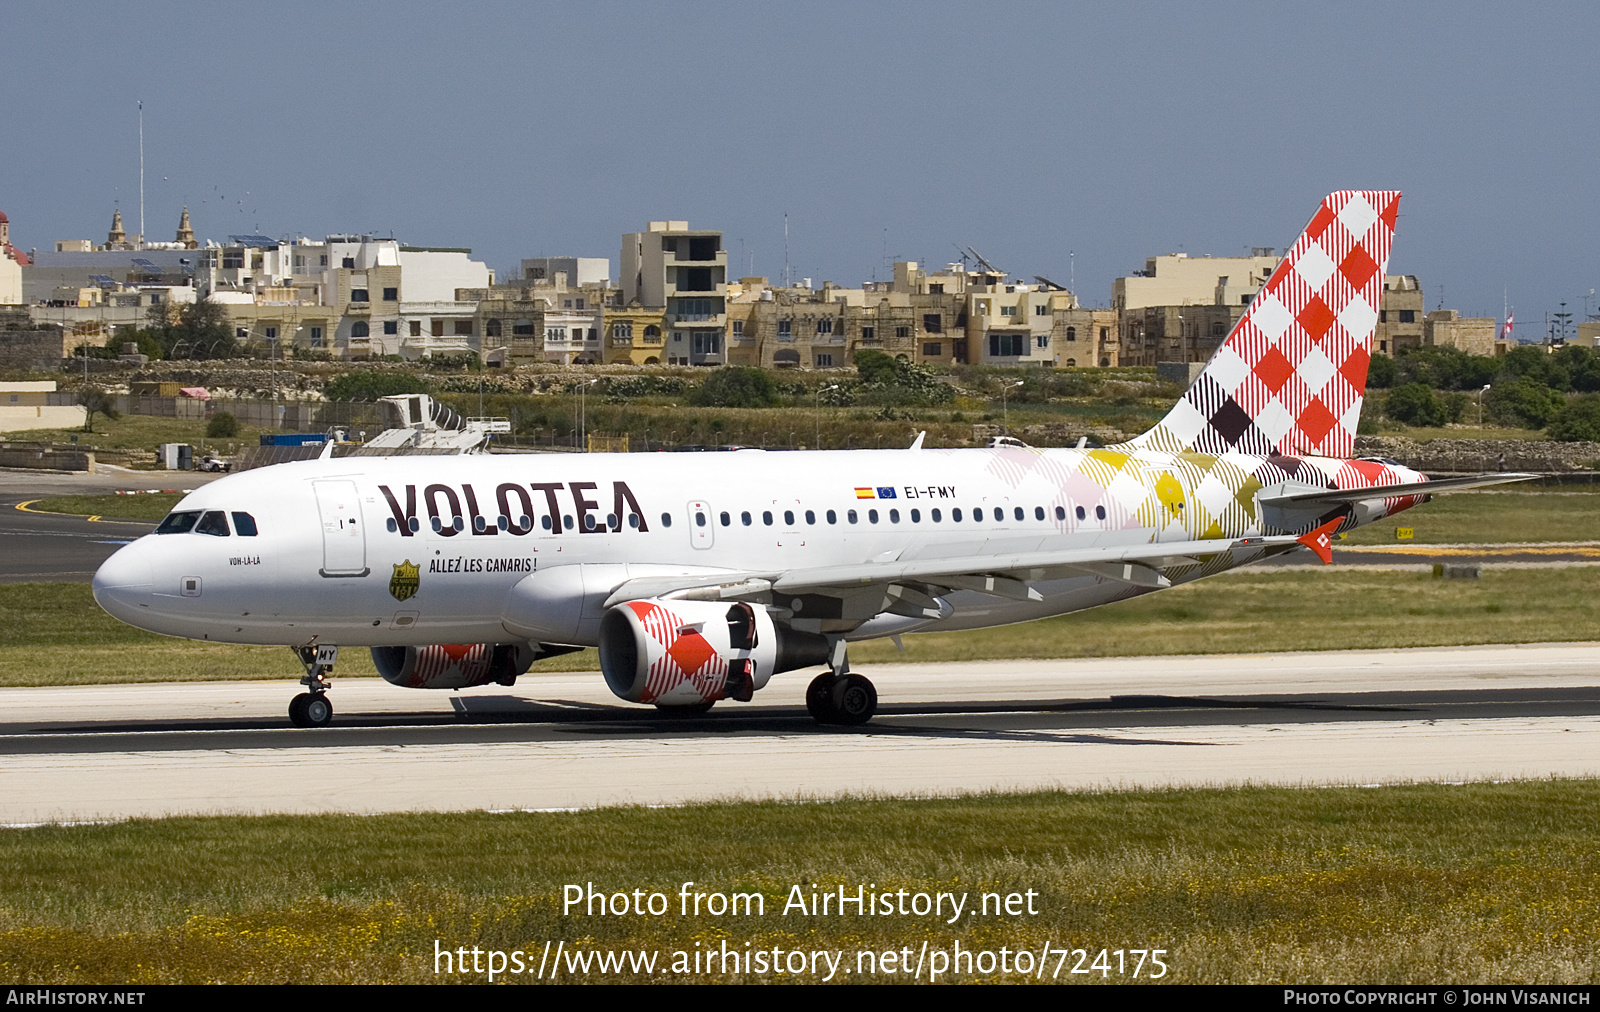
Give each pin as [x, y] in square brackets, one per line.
[1056, 139]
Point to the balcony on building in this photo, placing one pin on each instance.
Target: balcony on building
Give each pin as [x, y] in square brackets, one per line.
[695, 247]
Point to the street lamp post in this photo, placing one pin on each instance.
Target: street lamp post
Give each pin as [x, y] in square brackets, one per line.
[1480, 403]
[1005, 413]
[817, 410]
[583, 413]
[482, 359]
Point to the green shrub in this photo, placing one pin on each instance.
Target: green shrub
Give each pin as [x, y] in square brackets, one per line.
[1578, 422]
[369, 386]
[1382, 372]
[1415, 404]
[1524, 401]
[223, 425]
[737, 386]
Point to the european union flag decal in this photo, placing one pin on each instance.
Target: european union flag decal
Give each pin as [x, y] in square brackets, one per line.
[885, 492]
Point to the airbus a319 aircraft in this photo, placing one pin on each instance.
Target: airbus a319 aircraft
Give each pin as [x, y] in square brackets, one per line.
[701, 576]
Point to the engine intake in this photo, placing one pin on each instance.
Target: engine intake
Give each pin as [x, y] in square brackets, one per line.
[678, 653]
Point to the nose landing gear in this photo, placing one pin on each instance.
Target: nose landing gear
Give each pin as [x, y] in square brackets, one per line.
[312, 709]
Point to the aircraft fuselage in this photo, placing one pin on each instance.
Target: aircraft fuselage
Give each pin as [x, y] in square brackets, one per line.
[412, 551]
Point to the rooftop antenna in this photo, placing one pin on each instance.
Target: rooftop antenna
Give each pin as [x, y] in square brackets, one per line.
[979, 258]
[786, 278]
[141, 172]
[1072, 271]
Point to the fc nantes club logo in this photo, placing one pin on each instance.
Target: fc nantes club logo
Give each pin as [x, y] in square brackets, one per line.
[407, 578]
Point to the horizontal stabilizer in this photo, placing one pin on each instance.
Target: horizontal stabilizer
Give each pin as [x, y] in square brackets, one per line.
[1291, 495]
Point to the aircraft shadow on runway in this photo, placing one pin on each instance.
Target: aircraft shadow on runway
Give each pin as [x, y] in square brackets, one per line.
[506, 718]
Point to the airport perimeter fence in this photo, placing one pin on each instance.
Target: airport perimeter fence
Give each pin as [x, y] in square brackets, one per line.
[289, 416]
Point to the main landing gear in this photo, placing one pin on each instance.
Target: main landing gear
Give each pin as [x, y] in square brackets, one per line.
[312, 709]
[839, 696]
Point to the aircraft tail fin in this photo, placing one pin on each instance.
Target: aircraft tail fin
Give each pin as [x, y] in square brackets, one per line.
[1290, 377]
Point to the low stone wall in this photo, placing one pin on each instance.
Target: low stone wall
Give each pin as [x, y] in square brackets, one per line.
[1480, 455]
[43, 349]
[45, 458]
[39, 416]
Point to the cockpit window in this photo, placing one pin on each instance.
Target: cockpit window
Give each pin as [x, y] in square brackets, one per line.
[178, 523]
[214, 523]
[244, 525]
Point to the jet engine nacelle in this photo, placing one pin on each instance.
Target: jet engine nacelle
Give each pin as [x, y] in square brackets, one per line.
[680, 653]
[453, 666]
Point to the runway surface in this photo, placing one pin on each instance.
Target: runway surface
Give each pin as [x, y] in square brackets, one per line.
[562, 741]
[59, 548]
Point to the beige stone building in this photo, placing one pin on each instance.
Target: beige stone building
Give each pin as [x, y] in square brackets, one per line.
[1474, 335]
[683, 272]
[1181, 280]
[1180, 308]
[636, 335]
[1400, 315]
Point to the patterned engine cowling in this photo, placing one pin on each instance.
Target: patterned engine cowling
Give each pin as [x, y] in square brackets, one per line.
[453, 666]
[679, 653]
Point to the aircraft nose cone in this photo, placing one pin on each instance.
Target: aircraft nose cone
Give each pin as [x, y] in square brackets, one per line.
[121, 579]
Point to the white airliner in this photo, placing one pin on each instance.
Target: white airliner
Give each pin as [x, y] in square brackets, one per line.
[700, 576]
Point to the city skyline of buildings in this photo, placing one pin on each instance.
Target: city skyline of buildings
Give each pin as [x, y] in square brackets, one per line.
[674, 302]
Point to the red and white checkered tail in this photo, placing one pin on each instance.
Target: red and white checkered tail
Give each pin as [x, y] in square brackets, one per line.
[1290, 377]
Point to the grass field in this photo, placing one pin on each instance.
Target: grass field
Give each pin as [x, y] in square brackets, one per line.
[145, 506]
[1561, 513]
[54, 634]
[141, 432]
[1484, 883]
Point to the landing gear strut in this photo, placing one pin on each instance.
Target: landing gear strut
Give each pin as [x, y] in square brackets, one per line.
[312, 709]
[839, 696]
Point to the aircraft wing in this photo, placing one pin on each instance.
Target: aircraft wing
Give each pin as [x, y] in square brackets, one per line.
[999, 575]
[1294, 494]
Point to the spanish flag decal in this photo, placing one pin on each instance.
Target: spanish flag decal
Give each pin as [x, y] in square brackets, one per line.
[864, 493]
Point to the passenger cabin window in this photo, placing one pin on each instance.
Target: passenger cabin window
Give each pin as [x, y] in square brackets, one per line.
[244, 525]
[178, 523]
[214, 523]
